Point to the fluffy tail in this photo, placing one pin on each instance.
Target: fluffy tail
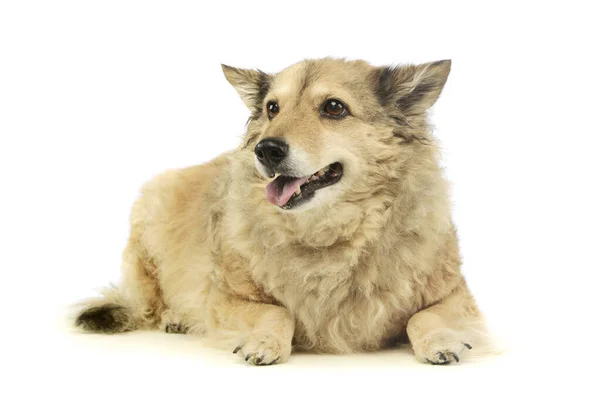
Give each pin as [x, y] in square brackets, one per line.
[110, 313]
[136, 303]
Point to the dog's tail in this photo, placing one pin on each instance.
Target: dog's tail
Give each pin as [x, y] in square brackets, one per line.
[134, 304]
[110, 313]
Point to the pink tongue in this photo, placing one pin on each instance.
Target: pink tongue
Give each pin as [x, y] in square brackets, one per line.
[278, 195]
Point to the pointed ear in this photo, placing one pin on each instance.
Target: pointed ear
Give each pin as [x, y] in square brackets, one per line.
[412, 88]
[251, 85]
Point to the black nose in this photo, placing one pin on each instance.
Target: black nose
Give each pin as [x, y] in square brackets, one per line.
[271, 152]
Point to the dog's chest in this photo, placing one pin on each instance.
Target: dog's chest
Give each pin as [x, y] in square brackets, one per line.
[339, 304]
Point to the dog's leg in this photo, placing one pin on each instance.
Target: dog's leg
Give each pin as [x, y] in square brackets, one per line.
[440, 333]
[266, 330]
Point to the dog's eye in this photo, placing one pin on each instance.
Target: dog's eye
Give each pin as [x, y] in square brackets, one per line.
[334, 108]
[272, 109]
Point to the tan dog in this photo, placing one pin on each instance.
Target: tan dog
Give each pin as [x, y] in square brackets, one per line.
[329, 228]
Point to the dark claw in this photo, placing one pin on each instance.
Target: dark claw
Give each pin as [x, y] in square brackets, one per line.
[175, 328]
[248, 357]
[237, 349]
[455, 357]
[442, 356]
[259, 360]
[274, 361]
[437, 363]
[468, 346]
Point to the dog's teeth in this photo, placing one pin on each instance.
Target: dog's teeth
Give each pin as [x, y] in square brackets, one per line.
[312, 178]
[320, 173]
[298, 191]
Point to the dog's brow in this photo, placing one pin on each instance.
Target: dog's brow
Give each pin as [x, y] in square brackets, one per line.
[281, 90]
[324, 91]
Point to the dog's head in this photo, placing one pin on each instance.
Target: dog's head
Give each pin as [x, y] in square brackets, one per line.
[331, 130]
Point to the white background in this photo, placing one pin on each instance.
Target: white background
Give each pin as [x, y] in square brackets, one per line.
[97, 97]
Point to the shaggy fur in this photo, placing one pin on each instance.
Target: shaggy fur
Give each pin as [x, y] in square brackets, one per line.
[367, 262]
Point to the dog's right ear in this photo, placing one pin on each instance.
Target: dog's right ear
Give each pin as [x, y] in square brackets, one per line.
[251, 85]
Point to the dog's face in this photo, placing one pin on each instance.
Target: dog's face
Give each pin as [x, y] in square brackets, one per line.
[331, 130]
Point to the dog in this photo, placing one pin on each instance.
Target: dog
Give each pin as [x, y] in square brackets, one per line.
[328, 229]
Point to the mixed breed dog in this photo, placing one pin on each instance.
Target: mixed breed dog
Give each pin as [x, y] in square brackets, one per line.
[328, 229]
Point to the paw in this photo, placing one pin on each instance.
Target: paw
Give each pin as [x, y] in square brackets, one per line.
[175, 328]
[441, 347]
[264, 350]
[171, 323]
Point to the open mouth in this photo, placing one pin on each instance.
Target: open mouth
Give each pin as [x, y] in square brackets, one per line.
[288, 192]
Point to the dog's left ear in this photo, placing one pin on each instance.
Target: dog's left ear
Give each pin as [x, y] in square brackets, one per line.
[251, 85]
[412, 88]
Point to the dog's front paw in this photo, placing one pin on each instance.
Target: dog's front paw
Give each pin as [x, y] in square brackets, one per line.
[264, 350]
[441, 347]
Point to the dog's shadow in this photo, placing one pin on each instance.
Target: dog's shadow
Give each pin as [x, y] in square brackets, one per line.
[161, 344]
